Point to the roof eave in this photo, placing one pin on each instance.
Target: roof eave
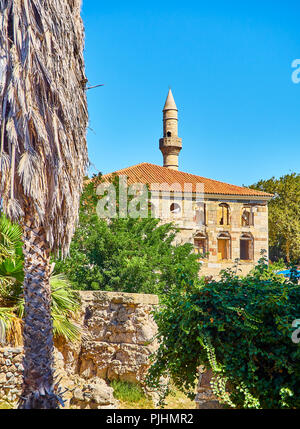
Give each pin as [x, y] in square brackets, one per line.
[239, 197]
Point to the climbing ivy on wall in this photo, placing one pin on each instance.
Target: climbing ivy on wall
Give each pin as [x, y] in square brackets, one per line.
[241, 328]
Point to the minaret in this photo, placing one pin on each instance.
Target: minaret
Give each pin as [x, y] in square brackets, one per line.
[170, 144]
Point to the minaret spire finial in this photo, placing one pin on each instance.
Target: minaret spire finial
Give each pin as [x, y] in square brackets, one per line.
[170, 102]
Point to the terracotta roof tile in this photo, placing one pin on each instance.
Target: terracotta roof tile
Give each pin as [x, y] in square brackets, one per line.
[147, 173]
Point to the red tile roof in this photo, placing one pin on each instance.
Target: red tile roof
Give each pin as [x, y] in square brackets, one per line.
[150, 174]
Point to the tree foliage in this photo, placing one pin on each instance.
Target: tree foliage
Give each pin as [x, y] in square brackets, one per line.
[128, 255]
[284, 215]
[241, 328]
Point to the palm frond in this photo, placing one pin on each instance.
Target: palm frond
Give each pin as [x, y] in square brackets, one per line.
[64, 307]
[10, 327]
[10, 237]
[63, 327]
[6, 315]
[12, 269]
[63, 297]
[43, 114]
[14, 335]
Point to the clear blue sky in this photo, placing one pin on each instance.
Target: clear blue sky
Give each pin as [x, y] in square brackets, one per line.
[229, 66]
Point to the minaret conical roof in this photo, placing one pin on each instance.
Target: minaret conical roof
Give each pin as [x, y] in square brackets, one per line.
[170, 102]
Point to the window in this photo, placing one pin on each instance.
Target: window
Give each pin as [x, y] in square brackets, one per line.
[247, 216]
[223, 214]
[169, 134]
[175, 208]
[246, 247]
[200, 244]
[200, 213]
[151, 210]
[224, 246]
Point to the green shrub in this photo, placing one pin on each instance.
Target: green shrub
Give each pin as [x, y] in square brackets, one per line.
[241, 328]
[127, 255]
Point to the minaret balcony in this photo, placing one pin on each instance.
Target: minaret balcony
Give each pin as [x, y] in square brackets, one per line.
[170, 142]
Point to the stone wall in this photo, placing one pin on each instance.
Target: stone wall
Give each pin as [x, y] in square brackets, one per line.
[10, 372]
[117, 332]
[79, 393]
[117, 329]
[190, 225]
[205, 399]
[115, 344]
[259, 232]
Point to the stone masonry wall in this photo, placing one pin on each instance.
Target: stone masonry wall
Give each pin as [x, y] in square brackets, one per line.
[190, 225]
[10, 372]
[79, 393]
[116, 331]
[205, 399]
[115, 344]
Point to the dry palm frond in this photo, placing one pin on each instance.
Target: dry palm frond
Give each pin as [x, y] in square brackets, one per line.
[10, 327]
[14, 335]
[43, 114]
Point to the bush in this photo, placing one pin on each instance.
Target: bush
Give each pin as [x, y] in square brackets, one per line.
[127, 255]
[240, 328]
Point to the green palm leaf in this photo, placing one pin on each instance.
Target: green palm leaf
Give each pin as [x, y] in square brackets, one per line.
[65, 302]
[63, 327]
[12, 270]
[10, 236]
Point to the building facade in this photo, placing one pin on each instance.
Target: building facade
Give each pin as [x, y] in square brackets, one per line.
[223, 222]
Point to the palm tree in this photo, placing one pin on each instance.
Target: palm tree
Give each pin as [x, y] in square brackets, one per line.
[43, 158]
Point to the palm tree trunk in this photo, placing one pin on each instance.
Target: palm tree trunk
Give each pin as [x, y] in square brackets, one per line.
[38, 382]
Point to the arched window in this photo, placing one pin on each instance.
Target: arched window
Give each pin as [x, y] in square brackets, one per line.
[169, 134]
[247, 216]
[175, 208]
[201, 244]
[223, 214]
[246, 247]
[224, 246]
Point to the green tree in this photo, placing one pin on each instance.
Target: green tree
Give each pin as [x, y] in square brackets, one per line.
[129, 255]
[240, 328]
[284, 215]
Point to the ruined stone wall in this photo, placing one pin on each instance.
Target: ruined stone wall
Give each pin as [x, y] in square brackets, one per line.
[117, 333]
[11, 369]
[115, 344]
[117, 329]
[78, 393]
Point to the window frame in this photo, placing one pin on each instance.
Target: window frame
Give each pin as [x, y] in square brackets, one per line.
[225, 236]
[246, 236]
